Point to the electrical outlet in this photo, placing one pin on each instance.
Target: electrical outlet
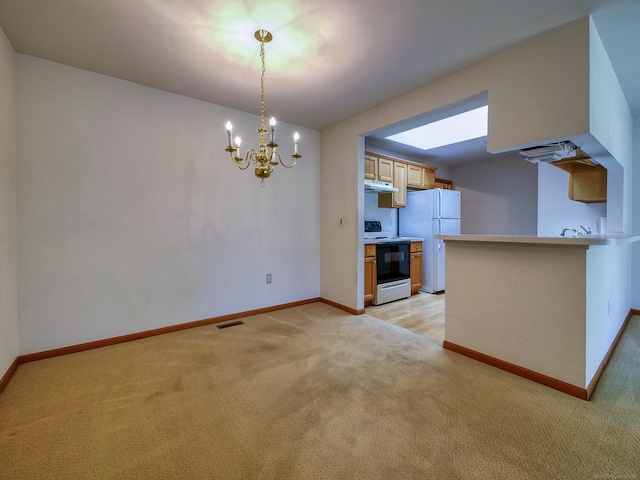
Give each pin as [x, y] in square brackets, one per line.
[268, 278]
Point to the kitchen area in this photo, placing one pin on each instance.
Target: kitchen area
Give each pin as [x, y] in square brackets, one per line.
[405, 207]
[537, 276]
[505, 198]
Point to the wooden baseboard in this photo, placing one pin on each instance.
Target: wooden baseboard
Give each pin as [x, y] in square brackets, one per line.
[8, 374]
[520, 371]
[32, 357]
[350, 310]
[607, 357]
[582, 393]
[523, 372]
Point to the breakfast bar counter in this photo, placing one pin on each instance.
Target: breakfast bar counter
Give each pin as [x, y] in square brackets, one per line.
[546, 308]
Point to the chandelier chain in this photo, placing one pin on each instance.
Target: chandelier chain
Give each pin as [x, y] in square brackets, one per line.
[264, 69]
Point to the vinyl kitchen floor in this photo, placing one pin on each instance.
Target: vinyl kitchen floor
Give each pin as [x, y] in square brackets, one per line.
[422, 313]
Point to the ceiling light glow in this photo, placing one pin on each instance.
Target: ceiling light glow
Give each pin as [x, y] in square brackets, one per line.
[457, 128]
[238, 21]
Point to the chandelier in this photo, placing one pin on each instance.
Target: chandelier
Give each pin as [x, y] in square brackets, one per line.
[267, 155]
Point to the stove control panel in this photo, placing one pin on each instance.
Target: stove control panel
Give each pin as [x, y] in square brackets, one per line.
[372, 226]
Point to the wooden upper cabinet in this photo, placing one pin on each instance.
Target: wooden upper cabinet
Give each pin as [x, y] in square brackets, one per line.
[428, 177]
[385, 170]
[370, 167]
[420, 177]
[415, 176]
[397, 199]
[588, 184]
[402, 173]
[444, 184]
[587, 180]
[400, 177]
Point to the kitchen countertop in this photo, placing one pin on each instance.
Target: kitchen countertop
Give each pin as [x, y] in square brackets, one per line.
[580, 240]
[372, 241]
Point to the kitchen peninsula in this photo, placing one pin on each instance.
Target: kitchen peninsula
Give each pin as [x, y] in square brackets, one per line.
[544, 308]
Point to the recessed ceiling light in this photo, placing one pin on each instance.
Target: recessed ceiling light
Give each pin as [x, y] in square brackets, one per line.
[458, 128]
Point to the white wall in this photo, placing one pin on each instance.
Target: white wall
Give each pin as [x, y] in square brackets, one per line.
[8, 222]
[498, 196]
[635, 266]
[608, 280]
[556, 211]
[497, 304]
[132, 217]
[611, 124]
[388, 217]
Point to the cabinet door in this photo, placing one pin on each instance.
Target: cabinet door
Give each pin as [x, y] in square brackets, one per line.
[369, 250]
[443, 184]
[385, 170]
[370, 167]
[415, 269]
[588, 184]
[414, 176]
[400, 182]
[428, 178]
[369, 279]
[397, 199]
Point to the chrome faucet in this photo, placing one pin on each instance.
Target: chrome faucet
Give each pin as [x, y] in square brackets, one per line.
[586, 232]
[565, 230]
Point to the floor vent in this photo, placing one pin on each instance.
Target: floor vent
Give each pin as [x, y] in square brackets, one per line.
[230, 324]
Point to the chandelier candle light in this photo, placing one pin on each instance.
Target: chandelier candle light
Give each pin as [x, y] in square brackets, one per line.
[267, 155]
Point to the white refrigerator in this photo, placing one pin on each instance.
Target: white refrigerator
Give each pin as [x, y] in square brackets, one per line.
[429, 213]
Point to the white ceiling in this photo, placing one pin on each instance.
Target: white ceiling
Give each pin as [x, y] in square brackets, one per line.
[330, 59]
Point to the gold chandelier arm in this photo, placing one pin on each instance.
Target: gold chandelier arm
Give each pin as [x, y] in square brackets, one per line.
[295, 157]
[243, 163]
[252, 154]
[274, 158]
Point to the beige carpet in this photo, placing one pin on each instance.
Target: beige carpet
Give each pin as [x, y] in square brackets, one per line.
[306, 393]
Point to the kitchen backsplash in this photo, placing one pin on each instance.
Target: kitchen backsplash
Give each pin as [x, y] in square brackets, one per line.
[388, 217]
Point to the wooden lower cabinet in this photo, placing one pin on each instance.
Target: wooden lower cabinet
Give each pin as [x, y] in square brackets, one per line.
[415, 267]
[369, 274]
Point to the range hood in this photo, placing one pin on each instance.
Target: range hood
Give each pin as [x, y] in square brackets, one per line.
[549, 153]
[376, 186]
